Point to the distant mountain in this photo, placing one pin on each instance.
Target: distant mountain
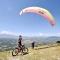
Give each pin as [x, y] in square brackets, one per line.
[52, 39]
[26, 39]
[8, 41]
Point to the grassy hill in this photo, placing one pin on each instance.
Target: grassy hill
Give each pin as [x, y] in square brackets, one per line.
[39, 53]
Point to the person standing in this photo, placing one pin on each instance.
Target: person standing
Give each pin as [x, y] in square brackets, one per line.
[33, 45]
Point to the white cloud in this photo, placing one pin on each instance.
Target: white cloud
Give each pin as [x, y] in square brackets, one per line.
[58, 34]
[41, 34]
[49, 34]
[12, 33]
[30, 34]
[8, 32]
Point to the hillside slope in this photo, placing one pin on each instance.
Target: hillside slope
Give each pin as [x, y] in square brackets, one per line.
[39, 53]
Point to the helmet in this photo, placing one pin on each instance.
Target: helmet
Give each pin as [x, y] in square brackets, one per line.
[20, 36]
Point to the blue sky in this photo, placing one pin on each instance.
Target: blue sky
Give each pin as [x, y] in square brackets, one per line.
[28, 24]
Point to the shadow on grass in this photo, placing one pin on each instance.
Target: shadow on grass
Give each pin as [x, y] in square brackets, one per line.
[25, 53]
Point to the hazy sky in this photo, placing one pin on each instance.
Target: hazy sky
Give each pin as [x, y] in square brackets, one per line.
[28, 24]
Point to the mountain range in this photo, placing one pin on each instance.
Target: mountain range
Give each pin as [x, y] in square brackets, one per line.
[8, 41]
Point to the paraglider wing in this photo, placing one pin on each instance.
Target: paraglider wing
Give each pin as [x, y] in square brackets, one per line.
[41, 11]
